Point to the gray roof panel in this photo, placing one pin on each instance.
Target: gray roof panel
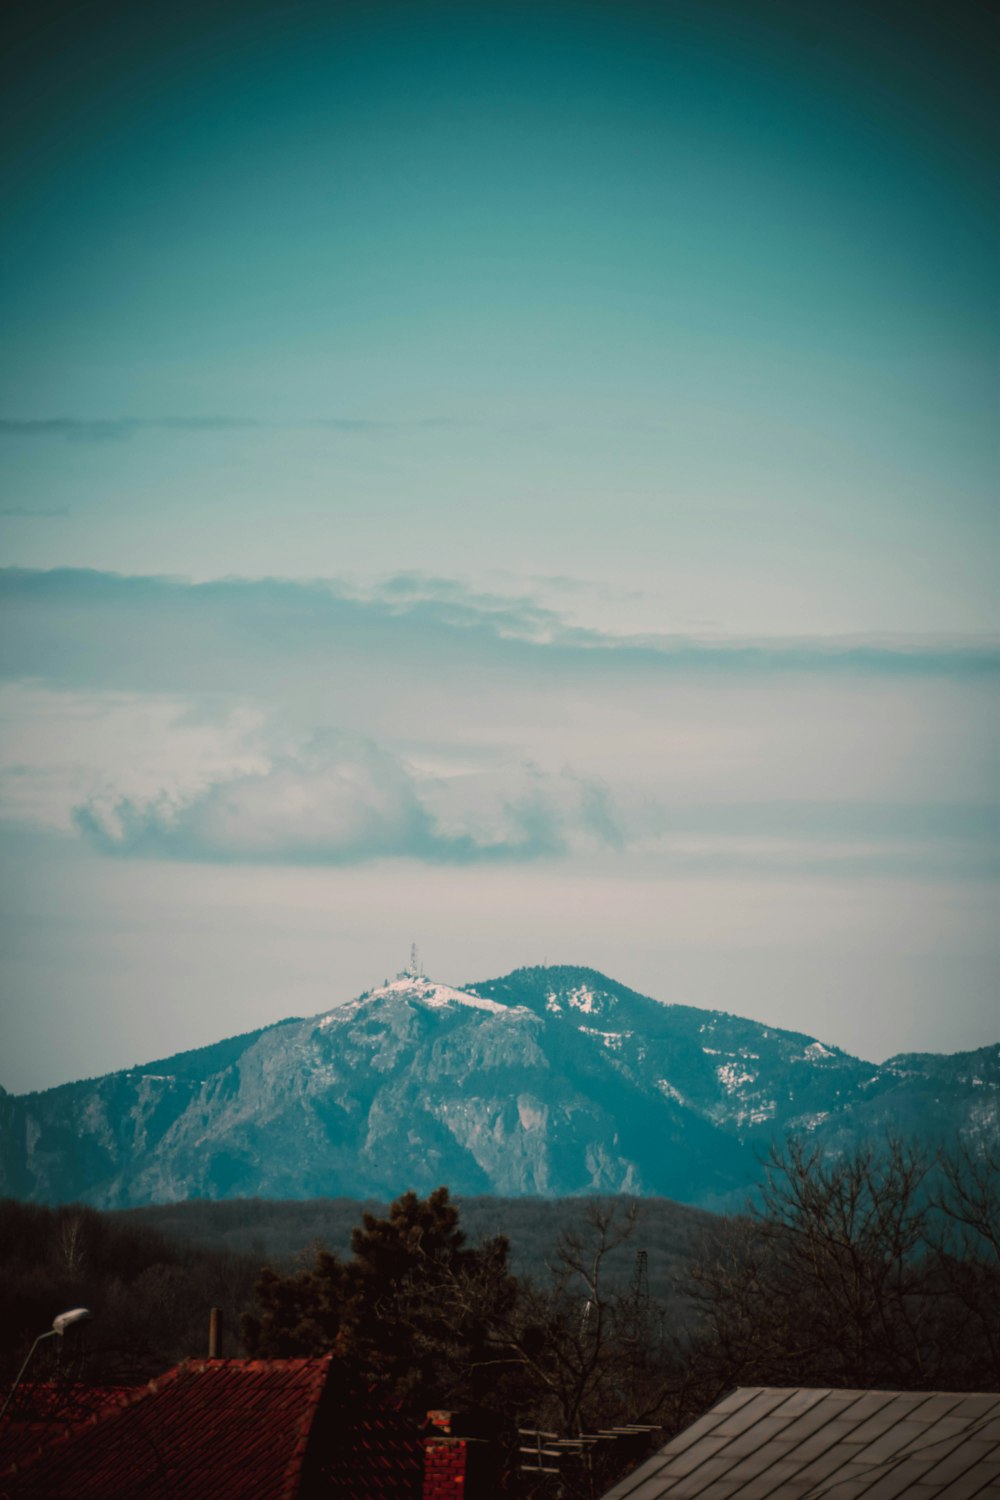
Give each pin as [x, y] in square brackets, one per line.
[962, 1457]
[692, 1458]
[651, 1489]
[886, 1419]
[763, 1403]
[889, 1442]
[763, 1432]
[767, 1443]
[976, 1484]
[762, 1486]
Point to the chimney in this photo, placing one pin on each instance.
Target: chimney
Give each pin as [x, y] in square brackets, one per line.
[445, 1458]
[215, 1333]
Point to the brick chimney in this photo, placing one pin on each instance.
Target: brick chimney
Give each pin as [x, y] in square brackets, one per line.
[445, 1459]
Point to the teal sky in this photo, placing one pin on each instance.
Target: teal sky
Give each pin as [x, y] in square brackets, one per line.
[503, 351]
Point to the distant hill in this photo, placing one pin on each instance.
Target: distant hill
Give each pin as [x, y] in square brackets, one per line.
[547, 1082]
[282, 1233]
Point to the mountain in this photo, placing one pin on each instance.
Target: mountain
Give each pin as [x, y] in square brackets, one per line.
[551, 1081]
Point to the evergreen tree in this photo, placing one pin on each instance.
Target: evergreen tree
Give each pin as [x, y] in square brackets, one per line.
[412, 1309]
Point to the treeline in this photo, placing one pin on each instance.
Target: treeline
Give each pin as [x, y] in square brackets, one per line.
[151, 1275]
[279, 1232]
[149, 1293]
[431, 1320]
[878, 1269]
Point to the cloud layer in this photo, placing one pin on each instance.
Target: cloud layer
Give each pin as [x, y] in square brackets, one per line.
[284, 722]
[114, 429]
[68, 624]
[345, 801]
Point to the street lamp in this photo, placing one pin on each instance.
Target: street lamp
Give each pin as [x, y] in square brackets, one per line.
[59, 1326]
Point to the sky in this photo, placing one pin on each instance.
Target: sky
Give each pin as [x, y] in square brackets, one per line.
[519, 478]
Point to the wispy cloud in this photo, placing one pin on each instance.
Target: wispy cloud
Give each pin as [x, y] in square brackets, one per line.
[357, 803]
[325, 723]
[115, 429]
[163, 628]
[344, 801]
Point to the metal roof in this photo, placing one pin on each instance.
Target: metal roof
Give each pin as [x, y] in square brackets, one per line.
[762, 1443]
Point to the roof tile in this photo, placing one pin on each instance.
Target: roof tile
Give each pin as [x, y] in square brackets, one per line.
[231, 1428]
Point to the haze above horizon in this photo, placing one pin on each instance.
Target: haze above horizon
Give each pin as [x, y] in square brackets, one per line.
[520, 474]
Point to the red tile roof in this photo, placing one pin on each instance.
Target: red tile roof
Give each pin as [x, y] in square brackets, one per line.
[41, 1412]
[225, 1428]
[376, 1454]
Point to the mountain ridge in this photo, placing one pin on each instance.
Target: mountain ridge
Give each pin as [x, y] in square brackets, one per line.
[545, 1081]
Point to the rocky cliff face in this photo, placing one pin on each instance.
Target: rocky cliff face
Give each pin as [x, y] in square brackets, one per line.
[548, 1081]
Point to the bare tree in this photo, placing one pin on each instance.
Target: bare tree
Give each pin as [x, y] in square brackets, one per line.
[867, 1269]
[585, 1343]
[71, 1238]
[967, 1253]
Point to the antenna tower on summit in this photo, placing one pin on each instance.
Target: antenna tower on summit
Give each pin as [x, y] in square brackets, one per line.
[414, 961]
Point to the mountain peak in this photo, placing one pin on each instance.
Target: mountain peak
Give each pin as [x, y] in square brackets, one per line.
[553, 1080]
[563, 989]
[417, 988]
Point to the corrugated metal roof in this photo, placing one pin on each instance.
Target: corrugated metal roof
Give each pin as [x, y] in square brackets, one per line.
[763, 1443]
[225, 1428]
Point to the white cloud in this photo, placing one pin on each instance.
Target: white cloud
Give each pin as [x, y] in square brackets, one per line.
[345, 800]
[280, 721]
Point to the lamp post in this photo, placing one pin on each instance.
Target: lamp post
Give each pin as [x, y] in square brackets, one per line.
[59, 1326]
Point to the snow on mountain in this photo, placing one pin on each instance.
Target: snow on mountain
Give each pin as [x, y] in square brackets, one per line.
[416, 988]
[556, 1080]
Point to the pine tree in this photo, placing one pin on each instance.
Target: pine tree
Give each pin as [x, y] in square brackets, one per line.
[411, 1310]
